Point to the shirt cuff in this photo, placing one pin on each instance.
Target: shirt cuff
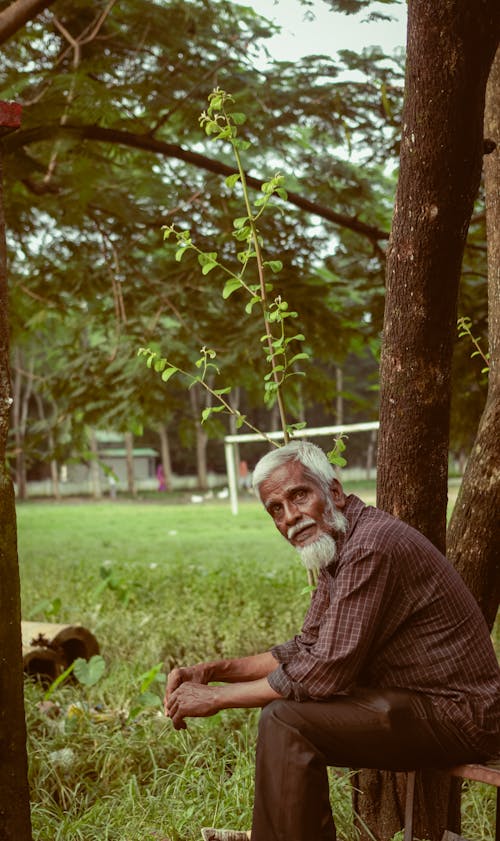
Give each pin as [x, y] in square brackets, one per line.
[285, 651]
[281, 683]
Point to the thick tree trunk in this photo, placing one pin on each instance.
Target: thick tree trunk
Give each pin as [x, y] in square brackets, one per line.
[450, 49]
[15, 822]
[451, 45]
[474, 531]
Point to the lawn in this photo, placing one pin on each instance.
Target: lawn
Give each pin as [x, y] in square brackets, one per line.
[157, 583]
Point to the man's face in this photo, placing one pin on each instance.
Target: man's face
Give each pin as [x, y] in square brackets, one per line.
[298, 505]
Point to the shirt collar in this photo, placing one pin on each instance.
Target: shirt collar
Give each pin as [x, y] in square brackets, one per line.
[354, 507]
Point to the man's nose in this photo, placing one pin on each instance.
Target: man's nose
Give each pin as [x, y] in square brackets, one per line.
[292, 513]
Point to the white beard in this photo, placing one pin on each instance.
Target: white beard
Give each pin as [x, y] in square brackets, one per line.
[319, 554]
[323, 551]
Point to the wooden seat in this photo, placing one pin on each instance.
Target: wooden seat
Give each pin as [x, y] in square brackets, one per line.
[487, 773]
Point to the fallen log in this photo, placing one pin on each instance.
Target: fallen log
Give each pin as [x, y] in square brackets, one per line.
[49, 648]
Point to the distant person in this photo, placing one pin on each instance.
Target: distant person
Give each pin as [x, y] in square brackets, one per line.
[394, 667]
[245, 479]
[112, 486]
[160, 475]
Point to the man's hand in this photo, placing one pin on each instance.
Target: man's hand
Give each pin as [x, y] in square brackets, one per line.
[245, 685]
[191, 699]
[199, 673]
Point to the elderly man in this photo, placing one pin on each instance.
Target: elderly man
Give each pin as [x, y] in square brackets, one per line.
[394, 667]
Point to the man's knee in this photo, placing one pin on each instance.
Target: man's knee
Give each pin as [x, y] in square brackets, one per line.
[275, 714]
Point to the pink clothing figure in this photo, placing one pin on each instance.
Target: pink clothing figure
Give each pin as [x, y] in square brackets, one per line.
[160, 475]
[244, 475]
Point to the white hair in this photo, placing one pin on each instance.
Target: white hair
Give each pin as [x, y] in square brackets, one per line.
[312, 458]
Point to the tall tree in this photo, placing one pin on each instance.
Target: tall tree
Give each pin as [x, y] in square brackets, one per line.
[474, 530]
[441, 157]
[14, 797]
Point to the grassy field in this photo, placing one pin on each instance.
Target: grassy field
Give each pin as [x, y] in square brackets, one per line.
[157, 584]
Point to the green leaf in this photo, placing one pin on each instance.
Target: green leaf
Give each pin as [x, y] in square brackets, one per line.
[249, 307]
[220, 391]
[159, 365]
[169, 372]
[211, 410]
[239, 222]
[208, 268]
[291, 427]
[231, 180]
[275, 265]
[151, 676]
[242, 233]
[231, 286]
[207, 258]
[57, 682]
[302, 355]
[242, 145]
[238, 118]
[89, 672]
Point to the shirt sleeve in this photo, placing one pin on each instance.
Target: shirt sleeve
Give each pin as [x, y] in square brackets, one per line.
[339, 630]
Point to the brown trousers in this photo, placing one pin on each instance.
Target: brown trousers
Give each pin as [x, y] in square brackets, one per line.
[386, 729]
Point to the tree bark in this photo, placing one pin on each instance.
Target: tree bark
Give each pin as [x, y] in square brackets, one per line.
[474, 531]
[441, 159]
[23, 387]
[15, 820]
[450, 49]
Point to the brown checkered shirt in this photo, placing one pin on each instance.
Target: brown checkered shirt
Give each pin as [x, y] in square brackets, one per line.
[391, 611]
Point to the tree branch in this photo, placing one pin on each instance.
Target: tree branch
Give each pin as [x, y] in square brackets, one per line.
[171, 150]
[17, 14]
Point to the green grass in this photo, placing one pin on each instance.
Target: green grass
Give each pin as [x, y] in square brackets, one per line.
[156, 583]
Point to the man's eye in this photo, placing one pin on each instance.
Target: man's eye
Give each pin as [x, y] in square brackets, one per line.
[298, 495]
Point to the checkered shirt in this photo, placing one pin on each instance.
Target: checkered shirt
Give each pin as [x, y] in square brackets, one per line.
[391, 611]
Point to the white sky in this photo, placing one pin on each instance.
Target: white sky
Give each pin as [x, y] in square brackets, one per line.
[329, 31]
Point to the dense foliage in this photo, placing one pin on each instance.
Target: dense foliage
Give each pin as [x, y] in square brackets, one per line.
[110, 150]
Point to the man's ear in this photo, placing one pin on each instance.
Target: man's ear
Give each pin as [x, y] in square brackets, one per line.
[338, 494]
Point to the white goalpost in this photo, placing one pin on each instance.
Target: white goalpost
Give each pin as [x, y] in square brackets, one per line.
[231, 440]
